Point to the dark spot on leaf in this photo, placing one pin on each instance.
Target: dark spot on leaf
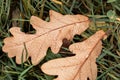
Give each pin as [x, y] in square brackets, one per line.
[88, 78]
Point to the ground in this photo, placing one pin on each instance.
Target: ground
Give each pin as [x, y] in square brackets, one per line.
[104, 15]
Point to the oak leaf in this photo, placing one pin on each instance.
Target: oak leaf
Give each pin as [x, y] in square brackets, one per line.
[48, 34]
[81, 66]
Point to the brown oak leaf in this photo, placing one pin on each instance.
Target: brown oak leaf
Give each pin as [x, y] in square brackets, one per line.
[81, 66]
[48, 34]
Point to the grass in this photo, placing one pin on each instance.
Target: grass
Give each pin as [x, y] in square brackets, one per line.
[104, 14]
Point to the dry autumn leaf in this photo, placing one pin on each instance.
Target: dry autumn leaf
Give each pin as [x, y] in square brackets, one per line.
[81, 66]
[48, 34]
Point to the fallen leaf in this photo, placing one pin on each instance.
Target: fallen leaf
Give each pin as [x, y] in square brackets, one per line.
[81, 66]
[48, 34]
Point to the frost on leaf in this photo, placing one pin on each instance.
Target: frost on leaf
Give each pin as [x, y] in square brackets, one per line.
[48, 34]
[81, 66]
